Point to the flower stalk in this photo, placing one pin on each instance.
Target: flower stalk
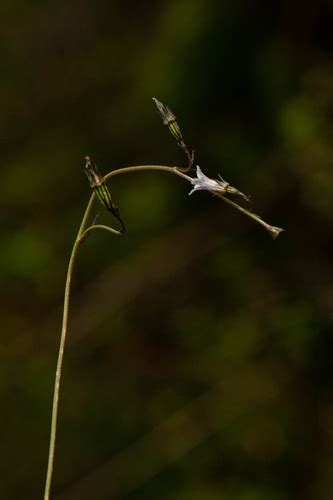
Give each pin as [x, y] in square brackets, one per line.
[219, 188]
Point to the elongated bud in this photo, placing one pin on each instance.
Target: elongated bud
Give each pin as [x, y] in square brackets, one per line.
[170, 120]
[97, 183]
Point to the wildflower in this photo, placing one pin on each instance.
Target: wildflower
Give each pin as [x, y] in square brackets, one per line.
[202, 182]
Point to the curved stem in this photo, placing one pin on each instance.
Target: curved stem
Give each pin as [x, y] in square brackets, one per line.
[139, 168]
[273, 230]
[83, 233]
[99, 226]
[81, 236]
[55, 404]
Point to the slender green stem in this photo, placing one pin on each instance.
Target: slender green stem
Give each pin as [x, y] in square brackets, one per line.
[242, 209]
[83, 233]
[139, 168]
[86, 215]
[55, 405]
[273, 230]
[87, 232]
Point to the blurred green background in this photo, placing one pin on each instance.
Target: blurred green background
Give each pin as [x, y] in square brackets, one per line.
[199, 358]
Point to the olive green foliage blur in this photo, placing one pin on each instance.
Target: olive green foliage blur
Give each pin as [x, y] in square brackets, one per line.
[199, 361]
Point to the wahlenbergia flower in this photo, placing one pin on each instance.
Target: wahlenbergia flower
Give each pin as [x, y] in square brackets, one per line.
[204, 183]
[220, 188]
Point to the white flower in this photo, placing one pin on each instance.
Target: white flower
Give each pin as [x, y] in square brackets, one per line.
[202, 182]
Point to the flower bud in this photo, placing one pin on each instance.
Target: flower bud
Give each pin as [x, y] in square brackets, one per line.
[97, 183]
[169, 119]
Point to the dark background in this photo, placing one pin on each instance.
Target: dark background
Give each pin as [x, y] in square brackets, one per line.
[199, 358]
